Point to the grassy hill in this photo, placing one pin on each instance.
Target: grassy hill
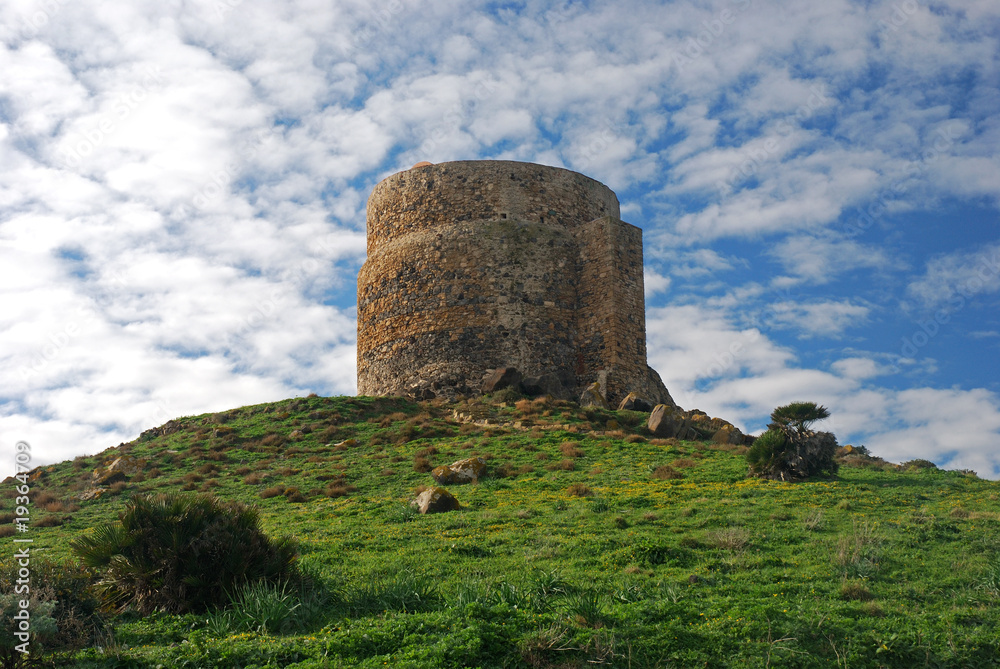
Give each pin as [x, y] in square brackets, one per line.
[590, 544]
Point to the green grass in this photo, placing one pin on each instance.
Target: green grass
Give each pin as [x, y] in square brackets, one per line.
[585, 552]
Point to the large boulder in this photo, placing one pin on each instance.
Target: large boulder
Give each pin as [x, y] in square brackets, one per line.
[468, 470]
[543, 384]
[668, 421]
[633, 402]
[500, 378]
[435, 500]
[729, 434]
[593, 397]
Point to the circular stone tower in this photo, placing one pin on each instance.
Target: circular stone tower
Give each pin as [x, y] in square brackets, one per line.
[474, 265]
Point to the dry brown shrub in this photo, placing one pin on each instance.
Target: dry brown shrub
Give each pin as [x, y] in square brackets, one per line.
[242, 471]
[6, 530]
[570, 449]
[53, 507]
[387, 472]
[566, 465]
[392, 418]
[272, 439]
[48, 521]
[636, 439]
[579, 490]
[666, 472]
[43, 498]
[525, 407]
[959, 513]
[542, 456]
[682, 463]
[253, 479]
[422, 465]
[273, 491]
[663, 442]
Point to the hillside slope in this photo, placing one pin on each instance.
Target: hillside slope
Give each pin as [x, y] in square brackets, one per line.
[589, 543]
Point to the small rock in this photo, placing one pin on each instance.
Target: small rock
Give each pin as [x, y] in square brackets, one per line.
[592, 397]
[632, 402]
[296, 434]
[435, 500]
[500, 378]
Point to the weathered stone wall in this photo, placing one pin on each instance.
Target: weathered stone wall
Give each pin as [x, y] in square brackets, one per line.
[474, 265]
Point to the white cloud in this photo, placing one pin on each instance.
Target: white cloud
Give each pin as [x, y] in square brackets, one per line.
[819, 260]
[817, 319]
[855, 368]
[653, 282]
[957, 277]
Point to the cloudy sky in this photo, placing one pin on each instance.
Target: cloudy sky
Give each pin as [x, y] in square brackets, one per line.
[183, 182]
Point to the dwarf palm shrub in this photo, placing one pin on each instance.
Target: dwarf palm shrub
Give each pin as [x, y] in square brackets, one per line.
[789, 450]
[182, 553]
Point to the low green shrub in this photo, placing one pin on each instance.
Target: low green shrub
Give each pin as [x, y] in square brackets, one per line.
[182, 553]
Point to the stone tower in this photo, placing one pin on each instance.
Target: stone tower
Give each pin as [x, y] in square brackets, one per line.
[474, 265]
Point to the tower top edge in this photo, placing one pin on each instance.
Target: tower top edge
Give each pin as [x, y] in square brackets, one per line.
[489, 165]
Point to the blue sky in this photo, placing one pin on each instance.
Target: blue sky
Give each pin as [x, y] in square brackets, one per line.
[182, 192]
